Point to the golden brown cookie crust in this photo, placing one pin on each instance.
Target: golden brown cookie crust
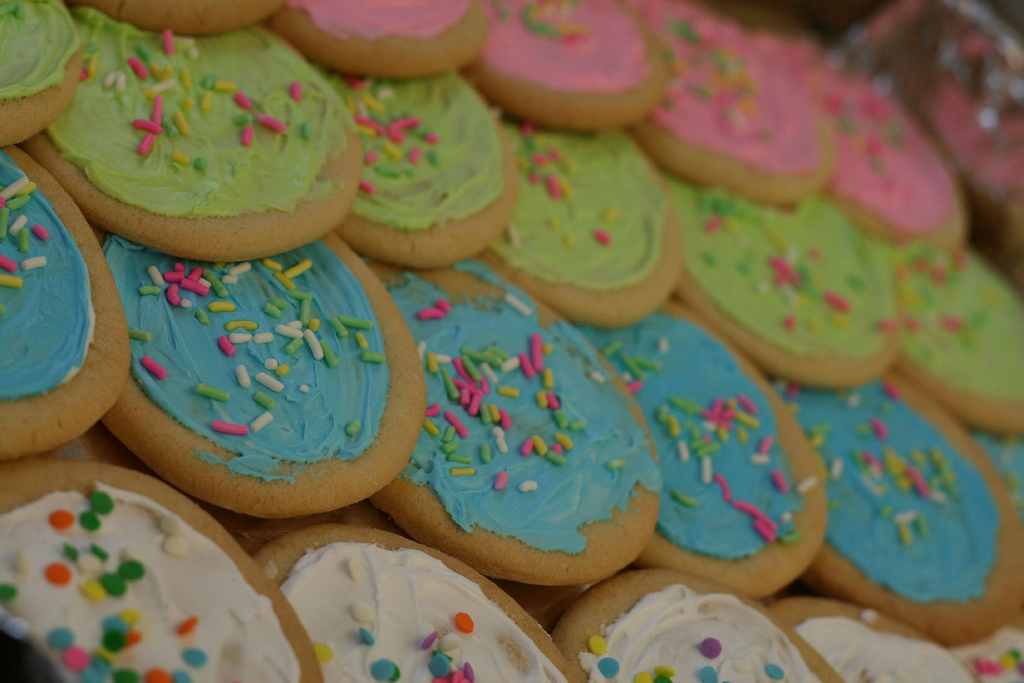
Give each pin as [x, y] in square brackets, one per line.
[191, 17]
[22, 118]
[950, 233]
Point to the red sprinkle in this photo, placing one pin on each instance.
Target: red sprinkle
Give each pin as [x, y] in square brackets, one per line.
[526, 366]
[195, 287]
[537, 352]
[367, 187]
[635, 386]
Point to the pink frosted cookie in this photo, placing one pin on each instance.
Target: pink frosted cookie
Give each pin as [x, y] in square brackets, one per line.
[569, 63]
[733, 116]
[387, 38]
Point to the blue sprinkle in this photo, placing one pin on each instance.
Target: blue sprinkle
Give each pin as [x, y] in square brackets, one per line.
[608, 667]
[115, 624]
[775, 672]
[708, 675]
[194, 657]
[180, 677]
[92, 674]
[439, 665]
[366, 636]
[383, 670]
[101, 665]
[61, 638]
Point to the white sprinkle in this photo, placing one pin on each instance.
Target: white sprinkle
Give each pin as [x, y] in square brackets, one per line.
[155, 276]
[741, 665]
[314, 344]
[684, 451]
[663, 344]
[33, 263]
[21, 564]
[243, 376]
[760, 459]
[421, 349]
[15, 187]
[510, 364]
[287, 331]
[355, 569]
[449, 643]
[108, 82]
[176, 546]
[786, 517]
[905, 517]
[763, 287]
[205, 283]
[807, 484]
[269, 382]
[304, 388]
[228, 280]
[122, 81]
[499, 437]
[869, 616]
[164, 85]
[598, 376]
[528, 485]
[626, 377]
[239, 337]
[705, 469]
[18, 224]
[270, 364]
[384, 93]
[295, 324]
[239, 268]
[512, 234]
[89, 564]
[486, 369]
[517, 303]
[186, 303]
[263, 338]
[853, 400]
[193, 53]
[939, 496]
[363, 612]
[442, 358]
[261, 422]
[837, 468]
[172, 525]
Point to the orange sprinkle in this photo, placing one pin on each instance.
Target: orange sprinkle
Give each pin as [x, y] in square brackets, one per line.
[187, 626]
[157, 676]
[464, 622]
[133, 638]
[58, 574]
[61, 519]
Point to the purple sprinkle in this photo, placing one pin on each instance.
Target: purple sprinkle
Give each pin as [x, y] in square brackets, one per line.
[468, 671]
[710, 647]
[428, 641]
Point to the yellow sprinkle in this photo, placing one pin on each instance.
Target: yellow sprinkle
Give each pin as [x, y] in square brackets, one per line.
[12, 281]
[272, 264]
[180, 157]
[776, 239]
[510, 392]
[723, 434]
[462, 471]
[539, 447]
[314, 324]
[94, 63]
[549, 379]
[130, 616]
[431, 427]
[569, 239]
[524, 165]
[149, 93]
[351, 103]
[282, 370]
[221, 307]
[188, 103]
[553, 224]
[288, 284]
[841, 321]
[298, 269]
[392, 150]
[814, 325]
[666, 671]
[565, 186]
[566, 442]
[674, 429]
[731, 225]
[373, 104]
[748, 420]
[367, 131]
[28, 189]
[322, 652]
[221, 264]
[181, 123]
[224, 86]
[105, 654]
[247, 325]
[611, 214]
[548, 348]
[542, 399]
[905, 537]
[361, 340]
[94, 590]
[817, 440]
[185, 76]
[597, 645]
[643, 677]
[207, 101]
[569, 165]
[495, 414]
[741, 434]
[432, 364]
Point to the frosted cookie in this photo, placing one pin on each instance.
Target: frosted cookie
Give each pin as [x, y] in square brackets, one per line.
[592, 235]
[963, 335]
[862, 645]
[801, 291]
[379, 607]
[742, 501]
[919, 526]
[734, 116]
[439, 183]
[42, 61]
[533, 464]
[1007, 454]
[280, 387]
[997, 659]
[196, 17]
[577, 64]
[179, 143]
[118, 577]
[62, 330]
[393, 39]
[655, 623]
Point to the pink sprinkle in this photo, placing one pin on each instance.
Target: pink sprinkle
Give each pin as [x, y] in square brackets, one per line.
[157, 115]
[464, 396]
[485, 385]
[457, 677]
[414, 155]
[295, 90]
[500, 481]
[247, 134]
[879, 428]
[987, 667]
[428, 641]
[432, 138]
[635, 386]
[229, 428]
[146, 144]
[168, 38]
[764, 530]
[892, 391]
[474, 405]
[443, 305]
[153, 367]
[395, 135]
[713, 224]
[367, 187]
[537, 352]
[268, 121]
[461, 369]
[526, 366]
[7, 264]
[766, 444]
[138, 67]
[173, 298]
[433, 411]
[84, 75]
[430, 314]
[886, 325]
[920, 485]
[747, 404]
[553, 401]
[354, 81]
[195, 287]
[179, 266]
[792, 390]
[526, 129]
[539, 159]
[75, 658]
[454, 421]
[837, 302]
[226, 346]
[371, 157]
[440, 679]
[557, 448]
[553, 189]
[40, 232]
[406, 123]
[790, 322]
[506, 421]
[780, 482]
[3, 202]
[242, 101]
[526, 448]
[533, 178]
[148, 126]
[371, 124]
[174, 276]
[726, 491]
[196, 273]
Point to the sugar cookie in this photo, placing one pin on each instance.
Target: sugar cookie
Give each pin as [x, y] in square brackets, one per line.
[196, 17]
[997, 659]
[1007, 454]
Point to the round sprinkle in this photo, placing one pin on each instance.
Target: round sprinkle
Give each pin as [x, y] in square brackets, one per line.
[643, 677]
[131, 570]
[662, 679]
[383, 670]
[89, 520]
[181, 677]
[126, 676]
[194, 657]
[366, 636]
[75, 658]
[114, 584]
[597, 645]
[61, 638]
[158, 676]
[114, 640]
[708, 675]
[94, 590]
[710, 647]
[775, 672]
[61, 519]
[96, 673]
[464, 622]
[101, 502]
[608, 667]
[115, 624]
[58, 574]
[664, 671]
[130, 616]
[8, 592]
[439, 665]
[323, 653]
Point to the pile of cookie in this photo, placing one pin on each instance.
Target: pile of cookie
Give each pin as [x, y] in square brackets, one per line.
[666, 327]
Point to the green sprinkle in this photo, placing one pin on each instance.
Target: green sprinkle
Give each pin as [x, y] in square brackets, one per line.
[499, 353]
[211, 392]
[279, 302]
[114, 640]
[631, 365]
[208, 81]
[372, 357]
[555, 457]
[449, 447]
[8, 592]
[338, 328]
[5, 215]
[114, 584]
[433, 158]
[485, 453]
[449, 385]
[471, 368]
[304, 312]
[684, 500]
[199, 163]
[353, 427]
[202, 317]
[791, 537]
[448, 435]
[329, 357]
[140, 335]
[143, 52]
[459, 458]
[89, 520]
[272, 310]
[709, 259]
[300, 295]
[387, 171]
[263, 400]
[70, 552]
[686, 405]
[6, 10]
[616, 464]
[577, 425]
[921, 525]
[560, 419]
[611, 349]
[149, 290]
[218, 286]
[23, 236]
[2, 309]
[357, 323]
[18, 202]
[647, 364]
[305, 130]
[293, 346]
[485, 415]
[101, 503]
[99, 552]
[242, 119]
